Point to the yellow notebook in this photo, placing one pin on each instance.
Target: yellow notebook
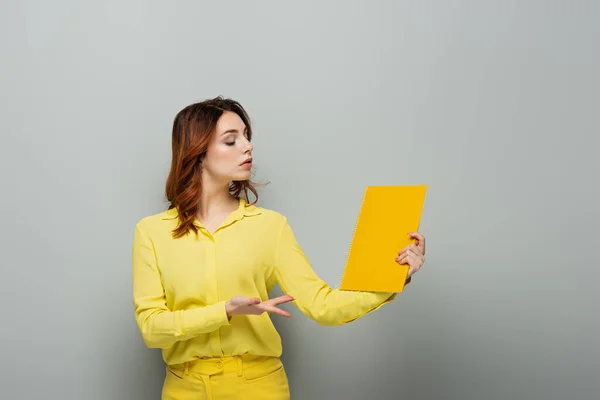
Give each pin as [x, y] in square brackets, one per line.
[387, 215]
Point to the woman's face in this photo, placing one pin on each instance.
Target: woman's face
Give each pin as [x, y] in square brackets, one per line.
[228, 157]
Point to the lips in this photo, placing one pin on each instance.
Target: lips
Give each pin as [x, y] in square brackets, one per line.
[248, 161]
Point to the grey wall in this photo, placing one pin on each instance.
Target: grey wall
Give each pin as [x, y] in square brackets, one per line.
[494, 105]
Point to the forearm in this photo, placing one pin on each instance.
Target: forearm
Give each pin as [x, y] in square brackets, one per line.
[314, 297]
[333, 307]
[161, 328]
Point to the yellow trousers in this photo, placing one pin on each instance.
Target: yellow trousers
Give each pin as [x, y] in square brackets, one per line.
[227, 378]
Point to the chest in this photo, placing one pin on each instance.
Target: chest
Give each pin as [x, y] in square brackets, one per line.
[199, 266]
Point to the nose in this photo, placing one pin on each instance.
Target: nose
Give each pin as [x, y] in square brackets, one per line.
[249, 148]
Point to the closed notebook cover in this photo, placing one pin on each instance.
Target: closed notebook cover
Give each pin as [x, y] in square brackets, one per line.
[387, 215]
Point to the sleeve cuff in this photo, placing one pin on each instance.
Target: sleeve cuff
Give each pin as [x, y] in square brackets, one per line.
[377, 299]
[200, 320]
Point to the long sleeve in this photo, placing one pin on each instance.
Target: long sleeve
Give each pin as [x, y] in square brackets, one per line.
[159, 326]
[314, 297]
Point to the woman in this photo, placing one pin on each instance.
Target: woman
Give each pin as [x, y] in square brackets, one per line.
[202, 269]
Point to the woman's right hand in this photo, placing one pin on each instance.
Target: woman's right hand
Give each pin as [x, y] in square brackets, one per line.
[253, 306]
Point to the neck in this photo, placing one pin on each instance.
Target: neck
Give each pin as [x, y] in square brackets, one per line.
[215, 198]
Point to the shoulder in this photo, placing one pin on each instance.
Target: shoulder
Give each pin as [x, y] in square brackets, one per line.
[270, 215]
[158, 221]
[274, 222]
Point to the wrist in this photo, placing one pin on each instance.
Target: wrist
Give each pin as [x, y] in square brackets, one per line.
[228, 309]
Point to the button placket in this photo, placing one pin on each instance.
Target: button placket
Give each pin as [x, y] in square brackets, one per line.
[212, 294]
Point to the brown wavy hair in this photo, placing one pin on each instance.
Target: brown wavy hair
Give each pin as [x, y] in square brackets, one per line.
[193, 128]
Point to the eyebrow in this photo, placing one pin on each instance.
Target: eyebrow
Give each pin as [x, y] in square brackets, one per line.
[233, 131]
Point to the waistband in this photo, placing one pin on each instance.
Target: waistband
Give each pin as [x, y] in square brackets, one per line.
[246, 364]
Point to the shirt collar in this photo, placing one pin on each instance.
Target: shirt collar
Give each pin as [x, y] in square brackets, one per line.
[244, 210]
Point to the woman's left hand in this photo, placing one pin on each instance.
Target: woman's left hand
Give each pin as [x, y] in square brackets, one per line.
[413, 254]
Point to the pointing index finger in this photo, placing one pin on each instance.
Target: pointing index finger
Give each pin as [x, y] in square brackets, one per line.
[279, 300]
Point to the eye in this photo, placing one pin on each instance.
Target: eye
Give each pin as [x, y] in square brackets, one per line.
[230, 143]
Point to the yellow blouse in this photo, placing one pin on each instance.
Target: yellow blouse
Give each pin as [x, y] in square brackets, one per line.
[180, 286]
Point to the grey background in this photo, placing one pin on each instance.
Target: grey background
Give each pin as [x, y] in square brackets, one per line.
[492, 104]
